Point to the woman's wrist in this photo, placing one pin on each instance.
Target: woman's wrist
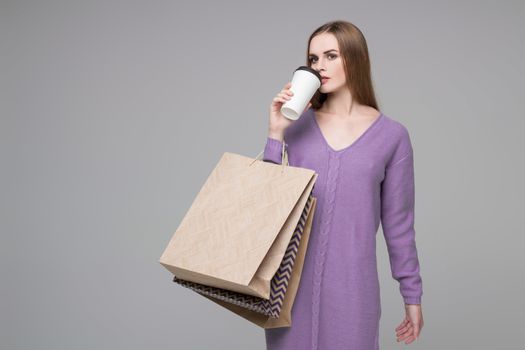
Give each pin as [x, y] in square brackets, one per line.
[276, 135]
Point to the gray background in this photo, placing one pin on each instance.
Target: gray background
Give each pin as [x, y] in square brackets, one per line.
[113, 114]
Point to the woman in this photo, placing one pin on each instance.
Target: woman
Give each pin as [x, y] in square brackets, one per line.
[365, 164]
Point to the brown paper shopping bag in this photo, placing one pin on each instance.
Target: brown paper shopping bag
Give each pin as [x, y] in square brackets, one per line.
[275, 312]
[236, 233]
[285, 315]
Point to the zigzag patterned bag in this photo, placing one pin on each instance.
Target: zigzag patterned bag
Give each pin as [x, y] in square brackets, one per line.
[242, 242]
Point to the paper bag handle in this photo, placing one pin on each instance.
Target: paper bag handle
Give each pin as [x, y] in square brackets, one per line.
[284, 156]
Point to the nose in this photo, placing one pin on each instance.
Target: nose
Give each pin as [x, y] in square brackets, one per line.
[318, 67]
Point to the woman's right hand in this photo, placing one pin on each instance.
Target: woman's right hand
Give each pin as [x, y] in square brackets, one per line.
[278, 122]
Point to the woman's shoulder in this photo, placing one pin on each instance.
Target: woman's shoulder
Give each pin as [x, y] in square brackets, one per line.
[395, 128]
[398, 136]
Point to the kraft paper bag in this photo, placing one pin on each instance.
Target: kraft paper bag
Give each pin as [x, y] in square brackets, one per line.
[279, 286]
[237, 230]
[285, 316]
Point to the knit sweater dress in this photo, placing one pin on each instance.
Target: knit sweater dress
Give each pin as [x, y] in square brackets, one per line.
[337, 305]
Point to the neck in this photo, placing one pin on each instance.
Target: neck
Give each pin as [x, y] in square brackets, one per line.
[341, 104]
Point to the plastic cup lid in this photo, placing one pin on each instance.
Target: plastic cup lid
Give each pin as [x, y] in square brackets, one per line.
[311, 70]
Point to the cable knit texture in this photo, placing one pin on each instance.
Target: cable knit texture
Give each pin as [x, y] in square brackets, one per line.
[359, 187]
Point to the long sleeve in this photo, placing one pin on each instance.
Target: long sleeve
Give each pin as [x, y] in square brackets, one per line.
[273, 150]
[397, 220]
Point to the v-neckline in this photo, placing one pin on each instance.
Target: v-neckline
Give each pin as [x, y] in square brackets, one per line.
[330, 148]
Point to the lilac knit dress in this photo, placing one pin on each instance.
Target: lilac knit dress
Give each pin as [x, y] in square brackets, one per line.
[337, 306]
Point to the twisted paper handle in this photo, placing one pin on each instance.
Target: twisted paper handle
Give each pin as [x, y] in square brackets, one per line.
[284, 156]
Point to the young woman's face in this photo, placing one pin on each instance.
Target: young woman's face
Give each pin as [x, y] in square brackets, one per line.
[324, 57]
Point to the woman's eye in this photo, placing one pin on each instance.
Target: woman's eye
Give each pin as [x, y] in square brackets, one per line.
[313, 58]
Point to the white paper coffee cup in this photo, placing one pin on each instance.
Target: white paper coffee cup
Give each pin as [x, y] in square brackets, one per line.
[305, 82]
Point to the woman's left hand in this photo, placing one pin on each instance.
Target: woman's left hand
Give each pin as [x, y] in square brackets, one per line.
[409, 329]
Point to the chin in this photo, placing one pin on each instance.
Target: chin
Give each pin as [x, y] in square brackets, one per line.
[325, 90]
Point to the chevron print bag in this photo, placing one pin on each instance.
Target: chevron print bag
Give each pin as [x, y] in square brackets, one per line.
[243, 240]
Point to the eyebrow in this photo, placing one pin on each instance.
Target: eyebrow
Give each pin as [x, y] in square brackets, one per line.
[323, 52]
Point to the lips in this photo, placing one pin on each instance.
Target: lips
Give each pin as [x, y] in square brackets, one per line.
[324, 80]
